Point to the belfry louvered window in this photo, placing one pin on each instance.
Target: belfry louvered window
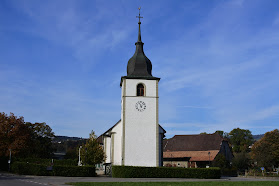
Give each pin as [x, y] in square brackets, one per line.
[140, 90]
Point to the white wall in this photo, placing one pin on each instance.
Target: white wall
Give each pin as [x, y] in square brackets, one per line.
[107, 145]
[140, 127]
[131, 87]
[117, 146]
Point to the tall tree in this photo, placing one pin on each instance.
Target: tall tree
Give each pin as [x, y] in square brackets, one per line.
[14, 135]
[266, 150]
[220, 161]
[241, 161]
[92, 153]
[24, 139]
[41, 136]
[222, 133]
[240, 140]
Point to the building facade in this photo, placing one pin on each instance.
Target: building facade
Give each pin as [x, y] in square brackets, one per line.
[137, 138]
[193, 151]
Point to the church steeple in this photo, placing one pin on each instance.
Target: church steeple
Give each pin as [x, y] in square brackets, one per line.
[139, 33]
[139, 65]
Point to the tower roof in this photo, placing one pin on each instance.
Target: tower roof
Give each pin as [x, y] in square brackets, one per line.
[139, 65]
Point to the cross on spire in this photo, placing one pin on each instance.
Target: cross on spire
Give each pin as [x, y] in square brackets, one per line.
[139, 15]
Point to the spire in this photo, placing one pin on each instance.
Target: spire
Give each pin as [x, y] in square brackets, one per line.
[139, 34]
[139, 65]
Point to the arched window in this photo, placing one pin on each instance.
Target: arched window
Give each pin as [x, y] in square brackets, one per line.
[140, 90]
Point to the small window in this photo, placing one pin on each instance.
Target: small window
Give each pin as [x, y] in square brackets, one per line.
[140, 90]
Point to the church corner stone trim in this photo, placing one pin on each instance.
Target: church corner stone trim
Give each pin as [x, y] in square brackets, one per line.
[123, 121]
[157, 125]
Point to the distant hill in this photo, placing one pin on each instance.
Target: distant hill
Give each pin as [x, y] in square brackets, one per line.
[257, 137]
[67, 145]
[66, 138]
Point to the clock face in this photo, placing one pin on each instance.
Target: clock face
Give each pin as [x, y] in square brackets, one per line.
[140, 106]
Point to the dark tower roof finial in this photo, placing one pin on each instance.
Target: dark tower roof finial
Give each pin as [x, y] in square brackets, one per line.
[139, 65]
[139, 34]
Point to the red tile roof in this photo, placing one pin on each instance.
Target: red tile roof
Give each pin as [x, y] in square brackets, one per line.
[194, 155]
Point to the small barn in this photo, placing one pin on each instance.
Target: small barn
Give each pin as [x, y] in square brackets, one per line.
[194, 151]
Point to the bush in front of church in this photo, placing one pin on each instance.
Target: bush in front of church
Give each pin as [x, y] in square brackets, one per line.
[55, 170]
[165, 172]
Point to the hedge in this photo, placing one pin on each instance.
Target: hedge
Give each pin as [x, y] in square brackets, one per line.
[229, 172]
[57, 170]
[165, 172]
[4, 166]
[49, 161]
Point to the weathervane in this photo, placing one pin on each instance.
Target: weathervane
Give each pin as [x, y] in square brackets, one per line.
[139, 15]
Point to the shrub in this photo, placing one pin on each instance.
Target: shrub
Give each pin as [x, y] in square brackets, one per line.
[220, 161]
[4, 166]
[29, 169]
[67, 162]
[34, 161]
[57, 170]
[83, 171]
[164, 172]
[241, 161]
[229, 171]
[48, 162]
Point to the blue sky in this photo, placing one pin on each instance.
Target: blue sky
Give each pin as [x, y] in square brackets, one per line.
[61, 62]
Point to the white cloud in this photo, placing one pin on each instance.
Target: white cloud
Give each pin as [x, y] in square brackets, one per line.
[262, 114]
[89, 36]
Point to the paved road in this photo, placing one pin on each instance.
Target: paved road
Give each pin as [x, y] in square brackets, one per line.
[7, 179]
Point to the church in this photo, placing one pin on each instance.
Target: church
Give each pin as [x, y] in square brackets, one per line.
[137, 138]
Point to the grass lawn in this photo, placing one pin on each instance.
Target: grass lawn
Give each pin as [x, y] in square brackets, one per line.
[210, 183]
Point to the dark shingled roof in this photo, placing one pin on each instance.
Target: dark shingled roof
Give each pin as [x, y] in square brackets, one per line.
[201, 142]
[139, 65]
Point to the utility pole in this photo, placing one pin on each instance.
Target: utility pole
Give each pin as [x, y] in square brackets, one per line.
[79, 162]
[85, 156]
[10, 160]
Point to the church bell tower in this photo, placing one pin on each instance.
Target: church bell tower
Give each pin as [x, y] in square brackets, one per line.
[141, 140]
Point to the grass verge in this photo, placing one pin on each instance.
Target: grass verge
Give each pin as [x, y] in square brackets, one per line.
[204, 183]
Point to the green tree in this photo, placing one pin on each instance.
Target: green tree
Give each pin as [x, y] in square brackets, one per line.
[241, 161]
[41, 136]
[240, 140]
[266, 150]
[220, 161]
[72, 148]
[92, 153]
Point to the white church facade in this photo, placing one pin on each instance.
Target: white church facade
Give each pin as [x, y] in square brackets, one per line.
[137, 138]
